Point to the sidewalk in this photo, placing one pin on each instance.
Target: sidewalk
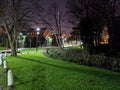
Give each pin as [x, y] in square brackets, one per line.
[9, 50]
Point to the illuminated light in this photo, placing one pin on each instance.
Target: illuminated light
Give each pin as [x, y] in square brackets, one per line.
[38, 29]
[20, 33]
[81, 43]
[38, 33]
[105, 41]
[104, 36]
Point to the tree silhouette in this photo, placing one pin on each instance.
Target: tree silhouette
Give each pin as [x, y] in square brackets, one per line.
[92, 15]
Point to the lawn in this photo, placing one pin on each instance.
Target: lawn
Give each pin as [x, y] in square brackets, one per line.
[3, 79]
[37, 72]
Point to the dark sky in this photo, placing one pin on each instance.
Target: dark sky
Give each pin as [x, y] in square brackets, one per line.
[61, 4]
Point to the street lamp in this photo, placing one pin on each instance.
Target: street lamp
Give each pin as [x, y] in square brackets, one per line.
[38, 29]
[37, 33]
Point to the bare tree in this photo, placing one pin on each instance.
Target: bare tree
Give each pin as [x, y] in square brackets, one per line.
[15, 16]
[78, 9]
[52, 20]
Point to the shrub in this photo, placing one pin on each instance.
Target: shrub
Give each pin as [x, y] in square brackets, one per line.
[81, 56]
[96, 60]
[118, 64]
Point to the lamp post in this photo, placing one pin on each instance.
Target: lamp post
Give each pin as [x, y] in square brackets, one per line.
[37, 33]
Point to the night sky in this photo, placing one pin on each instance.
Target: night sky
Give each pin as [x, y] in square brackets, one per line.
[61, 3]
[66, 27]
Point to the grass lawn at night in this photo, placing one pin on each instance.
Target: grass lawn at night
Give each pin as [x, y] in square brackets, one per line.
[37, 72]
[3, 79]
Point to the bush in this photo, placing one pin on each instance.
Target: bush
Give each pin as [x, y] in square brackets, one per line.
[81, 56]
[112, 63]
[96, 60]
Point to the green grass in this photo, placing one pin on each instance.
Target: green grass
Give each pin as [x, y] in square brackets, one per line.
[37, 72]
[2, 48]
[3, 78]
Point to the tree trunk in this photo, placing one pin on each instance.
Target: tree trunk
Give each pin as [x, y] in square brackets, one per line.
[10, 36]
[57, 40]
[13, 49]
[60, 42]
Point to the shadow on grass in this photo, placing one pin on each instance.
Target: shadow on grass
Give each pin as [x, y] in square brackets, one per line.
[108, 75]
